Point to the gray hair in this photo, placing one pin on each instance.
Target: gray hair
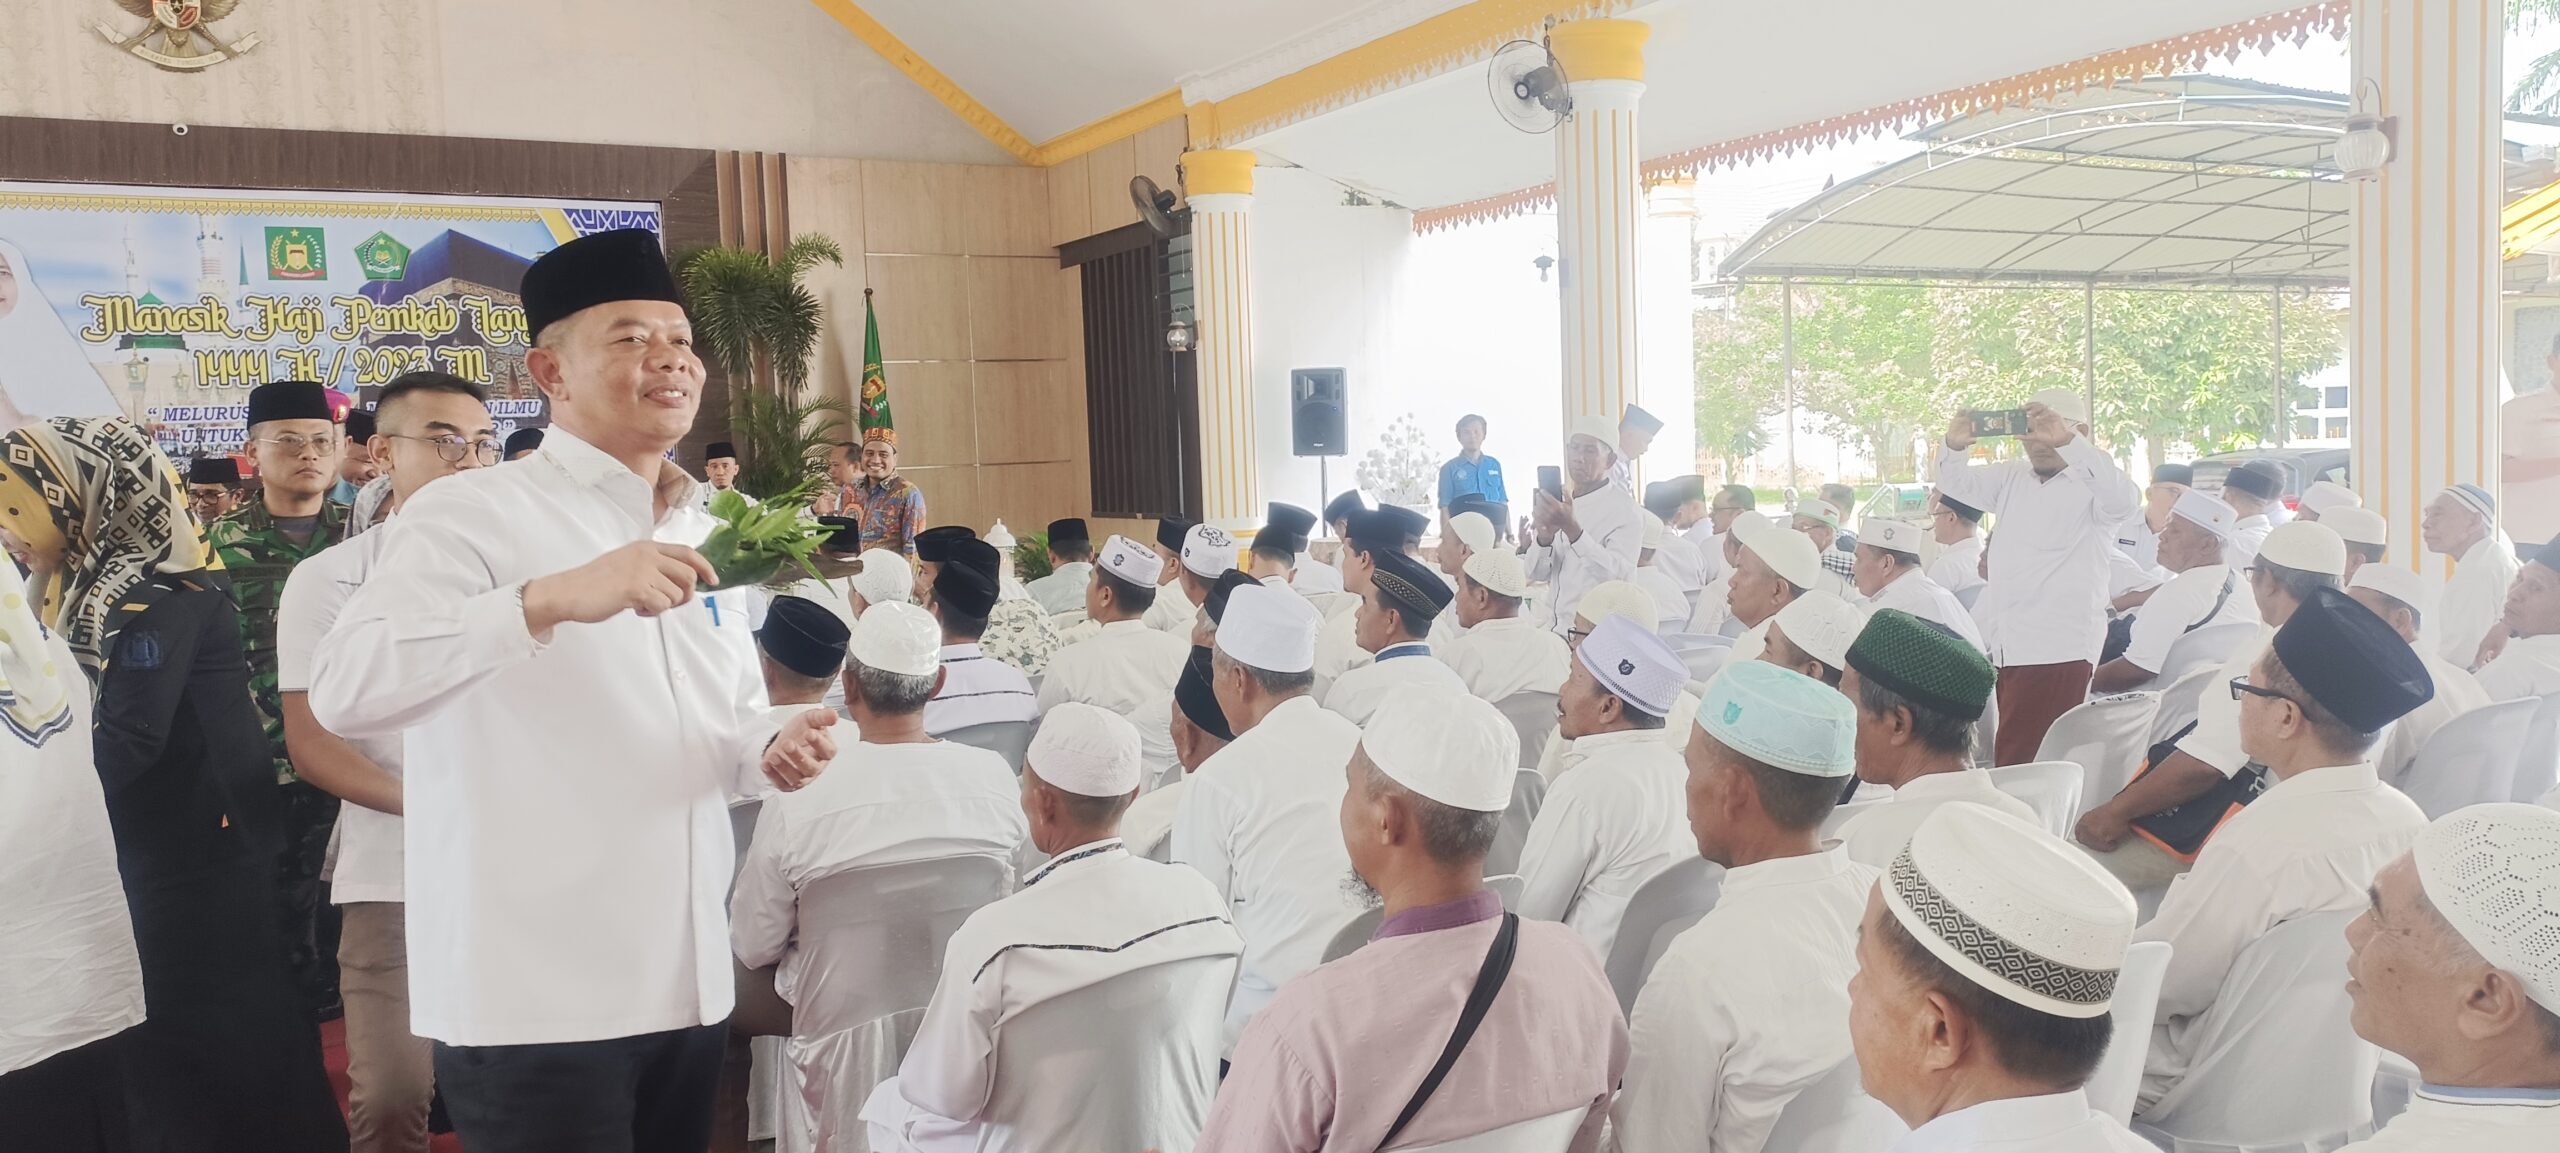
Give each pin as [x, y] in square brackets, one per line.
[891, 693]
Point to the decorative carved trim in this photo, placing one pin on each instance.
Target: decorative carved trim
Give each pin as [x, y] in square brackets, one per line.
[929, 78]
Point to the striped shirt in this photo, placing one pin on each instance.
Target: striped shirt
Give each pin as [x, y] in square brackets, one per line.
[977, 690]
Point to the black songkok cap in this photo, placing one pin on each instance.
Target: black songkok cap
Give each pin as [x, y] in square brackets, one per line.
[1374, 532]
[1660, 500]
[968, 589]
[289, 400]
[719, 449]
[1215, 604]
[523, 440]
[1069, 531]
[933, 545]
[1412, 587]
[1640, 420]
[623, 264]
[804, 636]
[213, 470]
[1968, 513]
[360, 424]
[974, 554]
[848, 535]
[1284, 527]
[1170, 530]
[1198, 702]
[2257, 478]
[2548, 556]
[2174, 474]
[2351, 662]
[1343, 507]
[1496, 511]
[1410, 524]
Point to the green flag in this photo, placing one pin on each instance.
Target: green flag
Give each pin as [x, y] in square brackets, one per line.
[873, 416]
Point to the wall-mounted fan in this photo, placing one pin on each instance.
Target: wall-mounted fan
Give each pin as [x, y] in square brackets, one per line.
[1155, 206]
[1527, 86]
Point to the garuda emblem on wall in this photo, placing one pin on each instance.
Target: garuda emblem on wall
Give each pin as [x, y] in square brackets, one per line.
[177, 37]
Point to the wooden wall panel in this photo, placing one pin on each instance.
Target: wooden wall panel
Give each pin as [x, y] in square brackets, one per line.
[1006, 212]
[1070, 201]
[1013, 312]
[1159, 153]
[1107, 173]
[923, 305]
[935, 402]
[1031, 494]
[1028, 412]
[828, 202]
[915, 208]
[952, 495]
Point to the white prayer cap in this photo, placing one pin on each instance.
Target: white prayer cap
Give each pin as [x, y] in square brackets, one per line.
[1086, 750]
[1823, 625]
[1270, 629]
[1499, 570]
[1475, 529]
[1652, 537]
[1781, 718]
[1619, 599]
[1893, 535]
[2471, 497]
[1138, 564]
[1788, 553]
[2073, 406]
[1811, 508]
[2209, 513]
[2012, 909]
[2392, 581]
[1599, 428]
[2493, 871]
[1208, 551]
[897, 638]
[885, 578]
[2357, 525]
[1634, 664]
[999, 536]
[2305, 545]
[1444, 743]
[2328, 496]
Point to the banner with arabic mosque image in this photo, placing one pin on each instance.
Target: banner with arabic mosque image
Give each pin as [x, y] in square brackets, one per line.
[167, 305]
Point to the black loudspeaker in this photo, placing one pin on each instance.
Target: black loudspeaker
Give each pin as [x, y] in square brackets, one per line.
[1315, 412]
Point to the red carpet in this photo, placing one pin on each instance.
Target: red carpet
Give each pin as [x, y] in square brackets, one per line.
[333, 1053]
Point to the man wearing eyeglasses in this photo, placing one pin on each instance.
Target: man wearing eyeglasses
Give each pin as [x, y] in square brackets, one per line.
[295, 445]
[427, 426]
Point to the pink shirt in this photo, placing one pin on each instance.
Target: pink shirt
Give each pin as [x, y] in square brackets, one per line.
[1332, 1060]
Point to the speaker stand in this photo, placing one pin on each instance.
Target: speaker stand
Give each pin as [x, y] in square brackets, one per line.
[1324, 492]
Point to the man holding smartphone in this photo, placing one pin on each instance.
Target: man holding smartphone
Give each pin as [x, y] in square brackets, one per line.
[1589, 533]
[2044, 611]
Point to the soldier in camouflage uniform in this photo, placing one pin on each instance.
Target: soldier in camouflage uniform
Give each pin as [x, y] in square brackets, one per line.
[296, 446]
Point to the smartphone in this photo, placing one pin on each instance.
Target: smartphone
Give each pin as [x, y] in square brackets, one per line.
[1551, 480]
[2000, 422]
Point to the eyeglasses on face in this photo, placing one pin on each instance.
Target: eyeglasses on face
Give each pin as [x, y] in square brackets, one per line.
[454, 448]
[296, 444]
[2240, 686]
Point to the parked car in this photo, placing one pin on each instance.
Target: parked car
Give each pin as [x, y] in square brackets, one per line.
[2302, 467]
[1895, 502]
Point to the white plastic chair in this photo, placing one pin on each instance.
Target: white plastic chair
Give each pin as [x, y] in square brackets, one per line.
[1533, 715]
[2179, 703]
[2276, 1064]
[1507, 886]
[1552, 1133]
[1684, 642]
[1841, 815]
[1528, 794]
[1705, 663]
[2538, 761]
[871, 941]
[2473, 758]
[2051, 788]
[1130, 1063]
[2117, 1083]
[2205, 647]
[1008, 739]
[2107, 738]
[1353, 934]
[1663, 908]
[1835, 1115]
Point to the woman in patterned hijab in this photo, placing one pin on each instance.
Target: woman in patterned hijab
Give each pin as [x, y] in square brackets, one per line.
[100, 513]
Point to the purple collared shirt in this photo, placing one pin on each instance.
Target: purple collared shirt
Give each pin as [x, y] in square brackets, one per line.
[1483, 904]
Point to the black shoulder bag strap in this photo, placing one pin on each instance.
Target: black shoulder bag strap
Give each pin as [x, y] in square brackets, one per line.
[2219, 600]
[1497, 965]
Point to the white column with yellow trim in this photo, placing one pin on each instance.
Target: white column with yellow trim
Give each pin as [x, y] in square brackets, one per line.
[1599, 213]
[1219, 183]
[2423, 276]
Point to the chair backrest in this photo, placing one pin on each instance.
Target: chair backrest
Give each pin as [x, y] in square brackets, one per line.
[1967, 595]
[1507, 886]
[1008, 739]
[2472, 758]
[2178, 703]
[2051, 788]
[1528, 794]
[1705, 663]
[2538, 766]
[742, 829]
[1664, 906]
[2107, 738]
[1533, 714]
[1834, 1115]
[2275, 1061]
[1685, 642]
[872, 938]
[1353, 934]
[2207, 645]
[2118, 1080]
[1552, 1133]
[1129, 1063]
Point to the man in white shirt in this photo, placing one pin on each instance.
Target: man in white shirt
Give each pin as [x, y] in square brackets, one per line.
[1593, 535]
[1204, 554]
[1196, 730]
[2396, 595]
[567, 806]
[1126, 663]
[2368, 536]
[2312, 708]
[2044, 609]
[1751, 1005]
[1957, 527]
[801, 647]
[1889, 576]
[2462, 522]
[1094, 913]
[1671, 600]
[1366, 535]
[2529, 666]
[1314, 578]
[420, 419]
[1636, 430]
[894, 797]
[1812, 636]
[1501, 652]
[2251, 489]
[2456, 966]
[1987, 965]
[1820, 520]
[1272, 555]
[1470, 531]
[2205, 591]
[1919, 689]
[1262, 818]
[1679, 503]
[976, 689]
[1774, 567]
[1713, 614]
[1395, 615]
[1071, 567]
[1611, 822]
[2169, 481]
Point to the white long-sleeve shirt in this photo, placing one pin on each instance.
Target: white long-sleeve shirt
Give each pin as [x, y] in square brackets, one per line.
[2240, 549]
[2440, 1120]
[1615, 819]
[2527, 667]
[2457, 692]
[1507, 655]
[2056, 1123]
[1357, 693]
[1877, 834]
[1118, 668]
[2474, 599]
[1262, 819]
[1680, 559]
[1338, 651]
[2047, 601]
[1913, 592]
[1612, 536]
[367, 866]
[1172, 612]
[1063, 589]
[977, 689]
[2183, 604]
[1959, 565]
[2311, 843]
[567, 828]
[2216, 738]
[1745, 1009]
